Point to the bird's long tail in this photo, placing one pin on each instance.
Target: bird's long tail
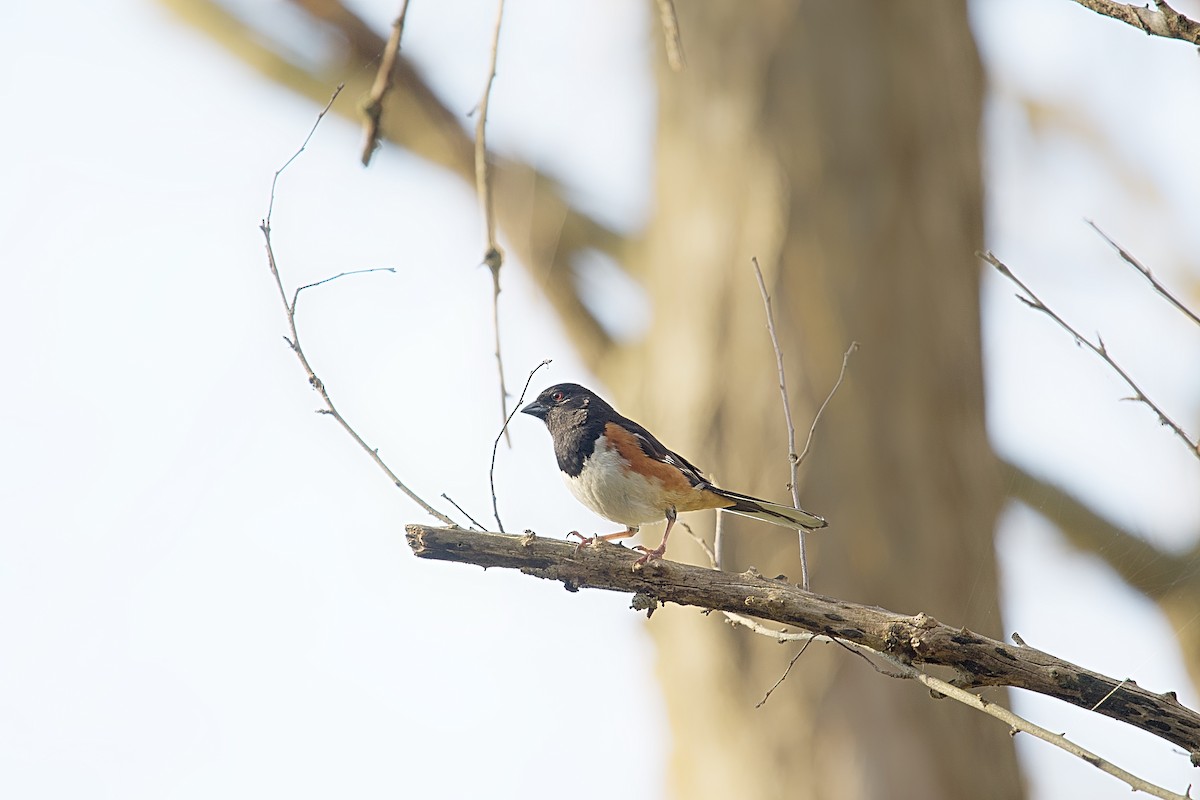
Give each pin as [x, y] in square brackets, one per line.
[775, 513]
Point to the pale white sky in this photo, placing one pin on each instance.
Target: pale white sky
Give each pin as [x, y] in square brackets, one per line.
[204, 588]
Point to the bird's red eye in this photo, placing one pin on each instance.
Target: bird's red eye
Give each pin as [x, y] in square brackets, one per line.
[557, 397]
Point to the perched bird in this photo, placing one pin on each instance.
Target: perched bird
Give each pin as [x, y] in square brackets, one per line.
[618, 469]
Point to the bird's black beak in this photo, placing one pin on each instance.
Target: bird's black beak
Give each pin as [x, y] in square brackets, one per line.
[536, 409]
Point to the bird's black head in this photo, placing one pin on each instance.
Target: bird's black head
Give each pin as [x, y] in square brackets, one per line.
[563, 402]
[575, 417]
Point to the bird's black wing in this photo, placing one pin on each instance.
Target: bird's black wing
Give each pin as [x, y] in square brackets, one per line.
[655, 449]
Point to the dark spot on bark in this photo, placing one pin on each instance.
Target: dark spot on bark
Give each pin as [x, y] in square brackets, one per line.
[975, 668]
[1003, 653]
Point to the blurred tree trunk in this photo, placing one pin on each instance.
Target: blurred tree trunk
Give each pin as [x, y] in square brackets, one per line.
[838, 142]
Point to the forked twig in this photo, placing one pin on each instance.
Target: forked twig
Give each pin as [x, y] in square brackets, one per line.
[373, 107]
[493, 256]
[1035, 302]
[294, 341]
[502, 433]
[793, 459]
[1133, 262]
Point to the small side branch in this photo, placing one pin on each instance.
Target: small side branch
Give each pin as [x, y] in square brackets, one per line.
[786, 672]
[812, 429]
[1035, 302]
[373, 107]
[493, 256]
[348, 273]
[1156, 20]
[1158, 287]
[912, 640]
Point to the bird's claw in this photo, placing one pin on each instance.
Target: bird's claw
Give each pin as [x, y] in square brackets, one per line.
[650, 555]
[584, 541]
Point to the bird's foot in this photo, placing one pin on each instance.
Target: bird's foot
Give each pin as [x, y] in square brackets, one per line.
[592, 541]
[584, 541]
[650, 555]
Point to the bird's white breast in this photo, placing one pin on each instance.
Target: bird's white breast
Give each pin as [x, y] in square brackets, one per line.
[607, 486]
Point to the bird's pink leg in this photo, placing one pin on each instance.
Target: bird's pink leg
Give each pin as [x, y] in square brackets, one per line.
[657, 553]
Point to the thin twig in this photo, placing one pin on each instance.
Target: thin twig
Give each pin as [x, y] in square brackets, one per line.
[493, 256]
[1158, 287]
[463, 511]
[861, 652]
[373, 107]
[274, 181]
[793, 459]
[1034, 302]
[817, 417]
[503, 431]
[671, 37]
[1159, 21]
[296, 294]
[708, 551]
[294, 341]
[783, 677]
[718, 539]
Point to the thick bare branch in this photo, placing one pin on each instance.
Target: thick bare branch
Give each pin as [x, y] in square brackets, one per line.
[919, 639]
[1158, 20]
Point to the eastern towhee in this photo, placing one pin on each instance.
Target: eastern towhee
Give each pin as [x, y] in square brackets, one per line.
[618, 469]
